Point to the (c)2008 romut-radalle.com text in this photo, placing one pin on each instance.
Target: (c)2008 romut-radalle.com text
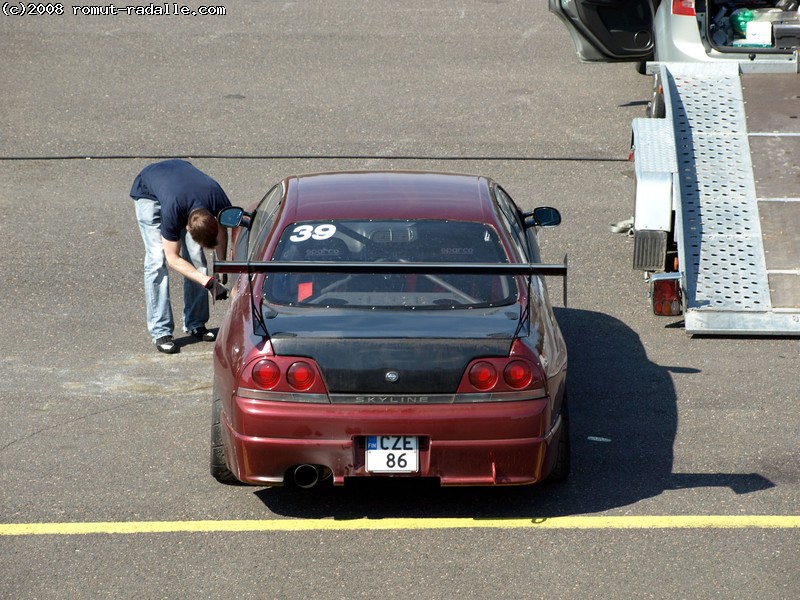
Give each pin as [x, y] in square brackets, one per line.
[18, 9]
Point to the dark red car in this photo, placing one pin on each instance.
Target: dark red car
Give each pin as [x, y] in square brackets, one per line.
[389, 324]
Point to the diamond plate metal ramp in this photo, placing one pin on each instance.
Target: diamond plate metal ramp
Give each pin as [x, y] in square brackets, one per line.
[718, 226]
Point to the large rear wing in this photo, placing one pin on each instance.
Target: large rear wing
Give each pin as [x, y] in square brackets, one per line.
[397, 268]
[392, 268]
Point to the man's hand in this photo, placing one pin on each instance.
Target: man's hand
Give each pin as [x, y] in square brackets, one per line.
[219, 291]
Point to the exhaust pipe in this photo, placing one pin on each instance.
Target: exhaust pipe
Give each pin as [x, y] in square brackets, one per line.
[305, 476]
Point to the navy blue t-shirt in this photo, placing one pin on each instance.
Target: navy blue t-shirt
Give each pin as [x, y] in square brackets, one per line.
[180, 188]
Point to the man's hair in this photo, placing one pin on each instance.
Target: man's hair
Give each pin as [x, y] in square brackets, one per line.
[203, 227]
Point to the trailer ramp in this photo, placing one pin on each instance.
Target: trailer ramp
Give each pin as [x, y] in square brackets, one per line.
[736, 194]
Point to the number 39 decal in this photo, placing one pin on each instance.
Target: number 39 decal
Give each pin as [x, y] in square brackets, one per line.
[302, 233]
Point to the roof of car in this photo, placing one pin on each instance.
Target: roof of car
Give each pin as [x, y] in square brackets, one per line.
[388, 195]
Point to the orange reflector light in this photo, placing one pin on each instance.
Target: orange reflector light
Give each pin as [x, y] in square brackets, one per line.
[666, 295]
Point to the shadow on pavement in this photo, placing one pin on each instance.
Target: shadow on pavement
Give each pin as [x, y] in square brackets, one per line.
[624, 418]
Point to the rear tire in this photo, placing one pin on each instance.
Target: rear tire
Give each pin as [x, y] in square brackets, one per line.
[219, 470]
[563, 463]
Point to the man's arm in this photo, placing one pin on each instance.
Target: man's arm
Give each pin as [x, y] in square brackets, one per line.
[221, 249]
[172, 252]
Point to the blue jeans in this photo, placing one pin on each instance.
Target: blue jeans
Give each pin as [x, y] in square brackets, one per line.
[156, 275]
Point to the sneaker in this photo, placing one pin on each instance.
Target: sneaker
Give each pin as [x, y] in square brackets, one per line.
[166, 345]
[203, 334]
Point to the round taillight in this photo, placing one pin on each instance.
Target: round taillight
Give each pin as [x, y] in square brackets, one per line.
[266, 374]
[300, 375]
[483, 375]
[518, 374]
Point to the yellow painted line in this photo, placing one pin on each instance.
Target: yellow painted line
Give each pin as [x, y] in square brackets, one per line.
[582, 522]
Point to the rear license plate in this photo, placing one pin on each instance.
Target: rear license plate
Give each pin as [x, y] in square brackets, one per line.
[392, 454]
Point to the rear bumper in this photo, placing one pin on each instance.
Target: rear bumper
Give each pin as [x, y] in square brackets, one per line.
[502, 443]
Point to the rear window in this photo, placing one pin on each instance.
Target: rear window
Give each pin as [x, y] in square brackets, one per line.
[390, 241]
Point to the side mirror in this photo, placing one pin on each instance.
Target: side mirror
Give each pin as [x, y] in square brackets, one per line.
[542, 216]
[233, 216]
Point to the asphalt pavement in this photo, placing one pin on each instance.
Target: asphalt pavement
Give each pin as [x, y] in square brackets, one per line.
[98, 427]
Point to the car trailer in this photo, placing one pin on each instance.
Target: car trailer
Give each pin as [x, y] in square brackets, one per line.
[716, 225]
